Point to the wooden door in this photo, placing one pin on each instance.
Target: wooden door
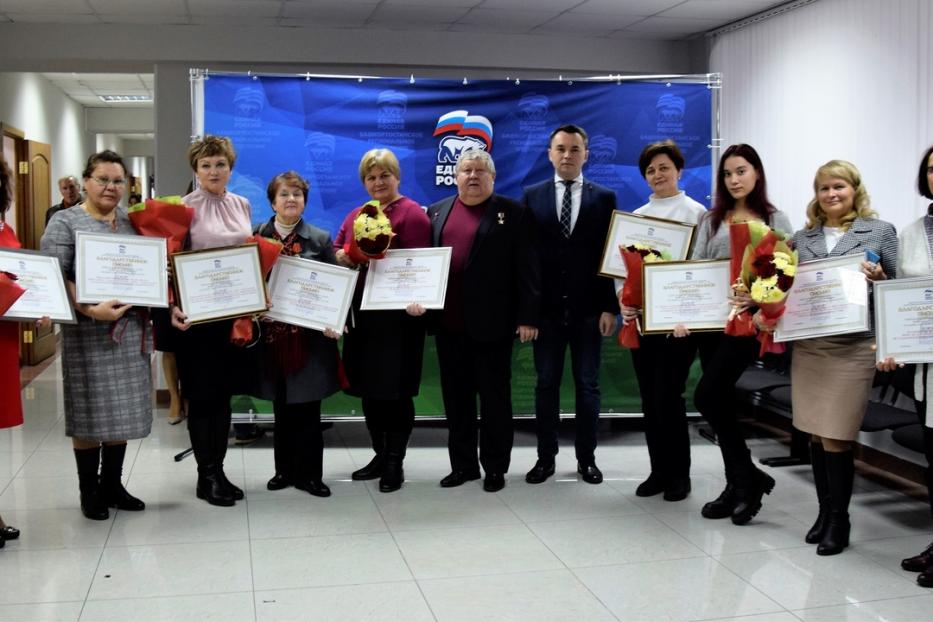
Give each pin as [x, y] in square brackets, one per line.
[39, 344]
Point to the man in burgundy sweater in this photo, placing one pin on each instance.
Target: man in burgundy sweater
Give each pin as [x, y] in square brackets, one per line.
[493, 295]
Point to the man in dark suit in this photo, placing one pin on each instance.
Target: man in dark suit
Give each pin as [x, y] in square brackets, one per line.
[578, 307]
[492, 295]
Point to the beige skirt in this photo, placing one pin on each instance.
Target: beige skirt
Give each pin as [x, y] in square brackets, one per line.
[830, 384]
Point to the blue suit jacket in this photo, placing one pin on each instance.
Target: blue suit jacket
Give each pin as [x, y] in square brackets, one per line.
[571, 286]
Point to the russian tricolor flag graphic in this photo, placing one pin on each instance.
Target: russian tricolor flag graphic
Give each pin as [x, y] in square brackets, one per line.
[450, 122]
[465, 124]
[475, 125]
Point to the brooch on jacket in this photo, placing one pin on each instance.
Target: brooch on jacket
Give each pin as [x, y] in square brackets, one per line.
[501, 218]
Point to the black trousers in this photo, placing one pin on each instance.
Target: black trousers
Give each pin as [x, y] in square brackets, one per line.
[209, 429]
[298, 444]
[724, 359]
[662, 365]
[390, 423]
[471, 369]
[550, 348]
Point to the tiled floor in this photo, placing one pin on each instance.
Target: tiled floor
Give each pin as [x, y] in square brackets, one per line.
[564, 550]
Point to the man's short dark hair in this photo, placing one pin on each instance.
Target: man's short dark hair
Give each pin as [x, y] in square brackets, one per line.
[570, 129]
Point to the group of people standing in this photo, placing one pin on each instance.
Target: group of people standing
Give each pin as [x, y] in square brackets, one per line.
[526, 269]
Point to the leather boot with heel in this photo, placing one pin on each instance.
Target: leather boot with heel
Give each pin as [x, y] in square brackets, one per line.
[840, 473]
[112, 492]
[92, 506]
[818, 462]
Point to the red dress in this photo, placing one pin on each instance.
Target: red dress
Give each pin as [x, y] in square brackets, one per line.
[11, 406]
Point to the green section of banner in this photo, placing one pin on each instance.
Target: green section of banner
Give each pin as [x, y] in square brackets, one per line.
[616, 380]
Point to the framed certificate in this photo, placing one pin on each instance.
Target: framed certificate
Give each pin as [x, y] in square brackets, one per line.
[904, 319]
[41, 276]
[129, 268]
[310, 293]
[657, 233]
[219, 283]
[405, 276]
[829, 297]
[692, 293]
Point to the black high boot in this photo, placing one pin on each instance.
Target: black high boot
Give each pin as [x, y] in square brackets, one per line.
[723, 505]
[112, 492]
[751, 484]
[210, 486]
[818, 462]
[282, 441]
[840, 473]
[393, 475]
[220, 439]
[373, 469]
[88, 461]
[374, 412]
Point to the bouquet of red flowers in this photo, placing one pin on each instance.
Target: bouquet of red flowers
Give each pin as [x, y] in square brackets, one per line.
[635, 256]
[10, 291]
[768, 271]
[163, 217]
[242, 333]
[372, 234]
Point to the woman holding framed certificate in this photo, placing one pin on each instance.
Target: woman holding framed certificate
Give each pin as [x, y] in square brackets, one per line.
[296, 367]
[832, 376]
[106, 377]
[915, 259]
[661, 364]
[741, 195]
[383, 350]
[209, 365]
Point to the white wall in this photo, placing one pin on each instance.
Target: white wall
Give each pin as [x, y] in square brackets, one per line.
[31, 103]
[844, 79]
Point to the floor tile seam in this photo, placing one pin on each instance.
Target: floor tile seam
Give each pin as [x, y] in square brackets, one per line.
[495, 523]
[316, 535]
[633, 562]
[863, 602]
[510, 573]
[594, 595]
[167, 544]
[161, 596]
[749, 616]
[249, 548]
[751, 586]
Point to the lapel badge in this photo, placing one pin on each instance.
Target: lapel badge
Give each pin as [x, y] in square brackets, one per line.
[501, 218]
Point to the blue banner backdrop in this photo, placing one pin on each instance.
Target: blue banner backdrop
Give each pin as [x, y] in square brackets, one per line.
[322, 127]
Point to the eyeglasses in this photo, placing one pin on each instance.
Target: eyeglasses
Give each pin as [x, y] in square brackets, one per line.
[106, 181]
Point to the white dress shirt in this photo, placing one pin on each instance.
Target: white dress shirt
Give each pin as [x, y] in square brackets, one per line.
[576, 196]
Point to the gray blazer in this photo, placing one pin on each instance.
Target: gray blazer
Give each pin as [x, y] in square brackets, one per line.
[864, 234]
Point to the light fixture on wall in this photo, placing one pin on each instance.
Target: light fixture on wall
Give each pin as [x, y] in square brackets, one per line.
[118, 99]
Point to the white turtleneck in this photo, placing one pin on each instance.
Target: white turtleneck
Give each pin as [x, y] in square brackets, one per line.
[679, 207]
[285, 230]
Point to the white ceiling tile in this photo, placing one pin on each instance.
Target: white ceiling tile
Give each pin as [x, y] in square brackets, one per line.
[416, 16]
[501, 28]
[233, 8]
[322, 23]
[466, 4]
[516, 21]
[328, 11]
[536, 5]
[52, 18]
[588, 24]
[725, 10]
[675, 25]
[148, 20]
[139, 7]
[34, 7]
[626, 7]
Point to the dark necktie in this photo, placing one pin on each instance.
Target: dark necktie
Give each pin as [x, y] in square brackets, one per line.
[565, 208]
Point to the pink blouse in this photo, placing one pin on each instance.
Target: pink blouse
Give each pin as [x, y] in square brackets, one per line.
[218, 220]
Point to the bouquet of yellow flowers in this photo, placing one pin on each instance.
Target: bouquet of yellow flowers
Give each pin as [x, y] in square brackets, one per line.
[768, 269]
[372, 234]
[635, 256]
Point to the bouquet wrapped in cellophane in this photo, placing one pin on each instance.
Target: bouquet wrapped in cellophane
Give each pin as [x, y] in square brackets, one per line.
[635, 256]
[242, 333]
[763, 266]
[163, 217]
[372, 234]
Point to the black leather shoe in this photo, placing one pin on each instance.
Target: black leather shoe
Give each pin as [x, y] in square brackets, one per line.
[539, 473]
[925, 578]
[590, 473]
[652, 486]
[722, 506]
[373, 470]
[494, 482]
[677, 489]
[393, 475]
[278, 482]
[114, 495]
[235, 491]
[459, 478]
[9, 533]
[314, 487]
[917, 563]
[211, 489]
